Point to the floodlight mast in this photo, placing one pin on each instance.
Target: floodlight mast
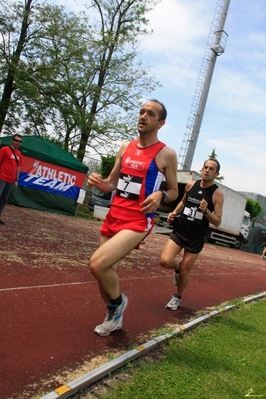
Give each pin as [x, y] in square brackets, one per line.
[215, 46]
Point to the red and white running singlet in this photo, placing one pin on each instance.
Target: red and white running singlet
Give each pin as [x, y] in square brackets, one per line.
[139, 177]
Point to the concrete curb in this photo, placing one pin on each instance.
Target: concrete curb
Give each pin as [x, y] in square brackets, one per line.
[65, 391]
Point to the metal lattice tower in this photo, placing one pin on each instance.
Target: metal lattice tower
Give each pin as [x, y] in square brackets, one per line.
[215, 46]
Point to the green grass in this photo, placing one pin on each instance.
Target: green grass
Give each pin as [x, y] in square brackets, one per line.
[224, 358]
[83, 212]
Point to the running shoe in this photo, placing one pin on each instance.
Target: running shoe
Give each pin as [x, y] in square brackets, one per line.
[173, 303]
[113, 319]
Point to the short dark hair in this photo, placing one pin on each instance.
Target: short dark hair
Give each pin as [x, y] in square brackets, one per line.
[215, 160]
[16, 135]
[163, 112]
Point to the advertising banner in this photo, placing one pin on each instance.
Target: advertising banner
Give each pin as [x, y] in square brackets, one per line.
[55, 179]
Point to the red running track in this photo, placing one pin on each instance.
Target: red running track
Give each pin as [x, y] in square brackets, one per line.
[50, 304]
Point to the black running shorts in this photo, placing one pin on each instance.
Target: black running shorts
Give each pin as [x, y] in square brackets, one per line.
[191, 244]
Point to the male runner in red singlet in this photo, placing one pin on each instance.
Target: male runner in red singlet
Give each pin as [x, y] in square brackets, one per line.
[202, 203]
[139, 168]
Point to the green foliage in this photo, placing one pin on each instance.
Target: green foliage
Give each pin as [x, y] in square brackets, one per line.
[214, 156]
[83, 212]
[77, 76]
[107, 165]
[253, 207]
[261, 218]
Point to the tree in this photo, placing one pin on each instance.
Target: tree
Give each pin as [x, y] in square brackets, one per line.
[57, 83]
[23, 28]
[253, 207]
[120, 24]
[11, 57]
[94, 165]
[261, 218]
[107, 165]
[214, 156]
[82, 80]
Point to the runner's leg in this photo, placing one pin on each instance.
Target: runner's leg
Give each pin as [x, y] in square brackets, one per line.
[105, 260]
[168, 255]
[188, 262]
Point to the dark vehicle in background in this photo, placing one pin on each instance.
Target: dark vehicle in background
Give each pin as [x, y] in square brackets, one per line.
[100, 198]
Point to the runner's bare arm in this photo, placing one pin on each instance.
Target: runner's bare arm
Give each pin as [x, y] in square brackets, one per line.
[215, 217]
[110, 183]
[180, 206]
[170, 173]
[167, 162]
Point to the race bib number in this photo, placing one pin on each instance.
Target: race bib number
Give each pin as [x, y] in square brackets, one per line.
[193, 213]
[129, 186]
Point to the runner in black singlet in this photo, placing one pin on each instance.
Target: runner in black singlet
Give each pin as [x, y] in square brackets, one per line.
[201, 204]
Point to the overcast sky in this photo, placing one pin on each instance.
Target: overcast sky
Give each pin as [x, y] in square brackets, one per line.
[234, 121]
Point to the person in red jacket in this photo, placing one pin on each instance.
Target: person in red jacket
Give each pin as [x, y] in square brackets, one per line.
[10, 164]
[139, 169]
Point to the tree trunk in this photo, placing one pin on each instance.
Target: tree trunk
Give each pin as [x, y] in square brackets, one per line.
[9, 83]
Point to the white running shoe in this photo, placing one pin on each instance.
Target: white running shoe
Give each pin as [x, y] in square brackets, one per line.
[113, 319]
[174, 303]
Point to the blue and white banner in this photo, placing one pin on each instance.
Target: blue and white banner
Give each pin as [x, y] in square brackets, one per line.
[40, 175]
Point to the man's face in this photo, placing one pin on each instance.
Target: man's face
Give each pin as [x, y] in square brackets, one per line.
[209, 171]
[16, 141]
[149, 116]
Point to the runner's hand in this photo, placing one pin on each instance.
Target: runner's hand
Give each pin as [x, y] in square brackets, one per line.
[94, 179]
[151, 203]
[171, 216]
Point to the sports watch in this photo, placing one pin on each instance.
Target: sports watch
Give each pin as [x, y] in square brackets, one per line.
[165, 195]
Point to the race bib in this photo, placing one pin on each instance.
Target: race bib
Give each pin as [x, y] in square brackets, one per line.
[129, 186]
[193, 213]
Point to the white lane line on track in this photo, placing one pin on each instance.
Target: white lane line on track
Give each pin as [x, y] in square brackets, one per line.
[75, 283]
[93, 282]
[43, 286]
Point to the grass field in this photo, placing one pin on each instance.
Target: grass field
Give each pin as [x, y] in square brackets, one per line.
[224, 358]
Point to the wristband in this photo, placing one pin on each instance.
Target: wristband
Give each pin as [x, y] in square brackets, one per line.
[165, 195]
